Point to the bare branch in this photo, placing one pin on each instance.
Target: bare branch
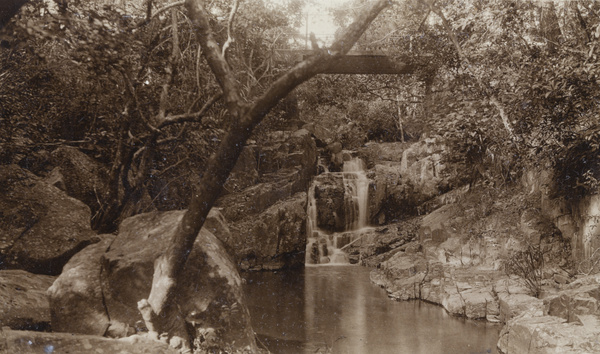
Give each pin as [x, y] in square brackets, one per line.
[166, 7]
[230, 38]
[170, 68]
[190, 117]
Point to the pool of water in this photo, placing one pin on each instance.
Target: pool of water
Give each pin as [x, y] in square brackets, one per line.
[336, 309]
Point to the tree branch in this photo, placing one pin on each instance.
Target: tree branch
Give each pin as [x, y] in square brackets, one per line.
[190, 117]
[166, 7]
[215, 59]
[168, 267]
[230, 38]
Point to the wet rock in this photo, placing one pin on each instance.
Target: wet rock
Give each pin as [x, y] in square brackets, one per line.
[42, 342]
[384, 179]
[40, 226]
[329, 196]
[76, 298]
[274, 239]
[24, 304]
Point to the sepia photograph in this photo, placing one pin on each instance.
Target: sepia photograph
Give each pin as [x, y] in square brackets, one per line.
[299, 176]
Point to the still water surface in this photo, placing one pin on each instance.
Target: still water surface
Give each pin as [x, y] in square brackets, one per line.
[336, 309]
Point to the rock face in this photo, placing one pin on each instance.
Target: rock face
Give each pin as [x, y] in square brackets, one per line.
[462, 292]
[40, 226]
[577, 220]
[274, 239]
[404, 178]
[568, 322]
[40, 342]
[24, 304]
[267, 219]
[211, 296]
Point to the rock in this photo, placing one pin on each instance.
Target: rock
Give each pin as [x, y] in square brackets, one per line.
[256, 199]
[84, 178]
[217, 225]
[571, 303]
[41, 342]
[285, 167]
[245, 172]
[384, 179]
[210, 296]
[76, 299]
[547, 334]
[329, 196]
[438, 225]
[56, 179]
[322, 135]
[378, 153]
[534, 226]
[24, 301]
[512, 305]
[287, 150]
[334, 148]
[40, 226]
[274, 239]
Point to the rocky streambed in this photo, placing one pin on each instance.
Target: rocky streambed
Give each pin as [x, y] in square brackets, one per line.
[456, 257]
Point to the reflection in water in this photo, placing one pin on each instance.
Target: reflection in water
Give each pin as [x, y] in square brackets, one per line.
[337, 309]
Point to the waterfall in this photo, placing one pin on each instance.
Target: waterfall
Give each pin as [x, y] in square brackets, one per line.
[325, 246]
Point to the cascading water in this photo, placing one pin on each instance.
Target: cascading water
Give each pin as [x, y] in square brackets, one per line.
[325, 246]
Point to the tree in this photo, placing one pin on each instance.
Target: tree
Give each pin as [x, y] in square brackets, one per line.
[157, 312]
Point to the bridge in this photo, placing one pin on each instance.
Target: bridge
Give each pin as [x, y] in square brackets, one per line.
[367, 63]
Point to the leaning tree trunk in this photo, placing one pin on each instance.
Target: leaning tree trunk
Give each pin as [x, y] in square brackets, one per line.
[159, 311]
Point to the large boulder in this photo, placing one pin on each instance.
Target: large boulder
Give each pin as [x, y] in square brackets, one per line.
[439, 225]
[210, 295]
[274, 239]
[40, 226]
[320, 134]
[99, 289]
[76, 297]
[27, 342]
[24, 304]
[84, 178]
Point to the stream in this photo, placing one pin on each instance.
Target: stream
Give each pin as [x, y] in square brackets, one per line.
[336, 309]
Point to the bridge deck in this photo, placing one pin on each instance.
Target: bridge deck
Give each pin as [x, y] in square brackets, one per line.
[360, 62]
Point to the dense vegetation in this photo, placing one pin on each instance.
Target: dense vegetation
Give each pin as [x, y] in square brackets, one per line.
[507, 84]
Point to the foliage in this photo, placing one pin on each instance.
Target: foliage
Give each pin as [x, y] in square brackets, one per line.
[102, 79]
[528, 265]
